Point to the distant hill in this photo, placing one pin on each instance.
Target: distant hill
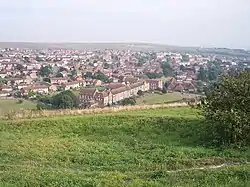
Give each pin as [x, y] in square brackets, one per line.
[127, 46]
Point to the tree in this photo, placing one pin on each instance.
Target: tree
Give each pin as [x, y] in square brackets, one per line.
[202, 75]
[226, 108]
[140, 93]
[45, 71]
[46, 79]
[31, 94]
[42, 106]
[59, 75]
[3, 81]
[128, 101]
[88, 75]
[185, 58]
[167, 69]
[19, 67]
[106, 65]
[38, 59]
[101, 76]
[65, 99]
[66, 102]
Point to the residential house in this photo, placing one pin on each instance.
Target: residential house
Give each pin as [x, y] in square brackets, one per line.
[155, 84]
[58, 80]
[120, 93]
[15, 81]
[87, 95]
[93, 82]
[71, 85]
[6, 88]
[52, 88]
[143, 86]
[22, 85]
[4, 93]
[42, 89]
[3, 74]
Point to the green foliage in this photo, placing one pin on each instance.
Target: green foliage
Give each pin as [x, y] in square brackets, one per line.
[46, 79]
[42, 106]
[39, 59]
[167, 69]
[202, 75]
[45, 71]
[19, 67]
[140, 93]
[128, 101]
[88, 75]
[31, 94]
[135, 149]
[3, 81]
[211, 73]
[185, 58]
[106, 65]
[59, 75]
[227, 109]
[100, 76]
[65, 99]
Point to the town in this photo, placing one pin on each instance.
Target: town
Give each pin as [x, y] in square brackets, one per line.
[107, 77]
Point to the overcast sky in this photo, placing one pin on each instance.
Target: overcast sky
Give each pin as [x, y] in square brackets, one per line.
[220, 23]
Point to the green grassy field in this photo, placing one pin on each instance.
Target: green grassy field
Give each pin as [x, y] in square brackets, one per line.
[13, 105]
[157, 98]
[157, 147]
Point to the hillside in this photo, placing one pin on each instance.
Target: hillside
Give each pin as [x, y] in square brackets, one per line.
[128, 46]
[154, 147]
[13, 105]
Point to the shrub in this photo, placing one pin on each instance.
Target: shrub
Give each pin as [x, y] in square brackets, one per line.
[226, 108]
[128, 101]
[140, 93]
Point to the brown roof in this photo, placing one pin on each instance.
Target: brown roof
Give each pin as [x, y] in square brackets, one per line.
[88, 91]
[58, 78]
[102, 94]
[119, 90]
[153, 80]
[179, 87]
[131, 80]
[35, 87]
[5, 86]
[113, 86]
[135, 85]
[71, 83]
[171, 86]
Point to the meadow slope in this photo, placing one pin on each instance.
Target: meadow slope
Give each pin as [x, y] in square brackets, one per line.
[154, 147]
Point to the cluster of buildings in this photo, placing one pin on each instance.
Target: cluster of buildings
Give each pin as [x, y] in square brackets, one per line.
[52, 70]
[113, 93]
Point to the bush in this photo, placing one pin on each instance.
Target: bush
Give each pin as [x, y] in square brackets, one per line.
[140, 93]
[42, 106]
[66, 99]
[128, 101]
[226, 108]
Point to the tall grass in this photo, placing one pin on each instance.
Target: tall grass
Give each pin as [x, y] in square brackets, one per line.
[23, 114]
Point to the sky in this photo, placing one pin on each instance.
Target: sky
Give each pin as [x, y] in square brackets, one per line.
[203, 23]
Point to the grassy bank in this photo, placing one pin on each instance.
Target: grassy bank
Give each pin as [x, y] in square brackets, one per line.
[160, 98]
[130, 148]
[13, 105]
